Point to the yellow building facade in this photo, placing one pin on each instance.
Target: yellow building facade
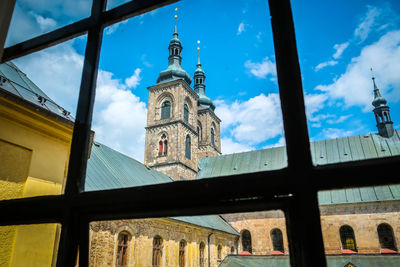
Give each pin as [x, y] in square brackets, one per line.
[34, 152]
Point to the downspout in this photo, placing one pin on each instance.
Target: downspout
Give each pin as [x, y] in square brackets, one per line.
[208, 244]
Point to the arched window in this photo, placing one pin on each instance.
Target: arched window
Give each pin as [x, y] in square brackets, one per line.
[199, 130]
[165, 110]
[212, 137]
[160, 148]
[201, 254]
[232, 250]
[182, 246]
[157, 251]
[347, 238]
[219, 253]
[246, 241]
[186, 113]
[277, 240]
[165, 147]
[386, 238]
[188, 147]
[122, 249]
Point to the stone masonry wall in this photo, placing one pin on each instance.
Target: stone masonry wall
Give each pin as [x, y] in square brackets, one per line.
[104, 236]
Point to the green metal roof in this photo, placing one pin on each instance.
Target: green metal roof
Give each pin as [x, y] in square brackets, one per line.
[331, 151]
[110, 169]
[17, 83]
[332, 261]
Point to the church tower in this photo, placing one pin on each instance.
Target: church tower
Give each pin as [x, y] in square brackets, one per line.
[208, 125]
[171, 136]
[382, 114]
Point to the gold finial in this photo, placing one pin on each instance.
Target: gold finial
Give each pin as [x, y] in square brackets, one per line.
[198, 45]
[176, 16]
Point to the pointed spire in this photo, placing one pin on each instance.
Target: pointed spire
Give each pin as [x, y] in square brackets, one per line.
[382, 113]
[175, 29]
[198, 54]
[174, 70]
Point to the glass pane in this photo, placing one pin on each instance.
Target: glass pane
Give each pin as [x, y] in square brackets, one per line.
[208, 240]
[29, 245]
[227, 81]
[352, 111]
[32, 18]
[361, 226]
[38, 96]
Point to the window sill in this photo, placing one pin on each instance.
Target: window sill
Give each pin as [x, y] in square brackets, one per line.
[348, 251]
[277, 252]
[388, 251]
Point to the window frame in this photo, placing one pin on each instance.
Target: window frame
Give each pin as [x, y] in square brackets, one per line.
[279, 189]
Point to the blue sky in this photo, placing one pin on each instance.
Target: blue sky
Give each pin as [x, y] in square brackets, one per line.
[338, 42]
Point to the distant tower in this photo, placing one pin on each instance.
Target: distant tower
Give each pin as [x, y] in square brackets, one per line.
[208, 125]
[171, 136]
[382, 114]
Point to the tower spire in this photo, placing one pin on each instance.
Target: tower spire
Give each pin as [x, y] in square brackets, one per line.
[199, 84]
[381, 111]
[174, 70]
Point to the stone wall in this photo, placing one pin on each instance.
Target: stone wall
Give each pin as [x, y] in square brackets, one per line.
[364, 218]
[104, 239]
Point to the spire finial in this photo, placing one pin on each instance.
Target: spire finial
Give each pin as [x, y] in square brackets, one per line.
[198, 52]
[176, 16]
[373, 79]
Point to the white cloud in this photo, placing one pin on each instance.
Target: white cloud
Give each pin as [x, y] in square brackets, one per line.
[354, 86]
[45, 24]
[367, 22]
[325, 64]
[241, 28]
[339, 49]
[119, 115]
[261, 70]
[253, 121]
[332, 133]
[229, 146]
[134, 80]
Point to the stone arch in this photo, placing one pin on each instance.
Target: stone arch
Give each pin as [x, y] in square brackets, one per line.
[158, 255]
[246, 242]
[123, 245]
[347, 238]
[277, 240]
[387, 240]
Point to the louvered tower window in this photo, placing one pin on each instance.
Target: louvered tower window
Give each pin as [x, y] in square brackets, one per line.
[188, 147]
[212, 137]
[186, 113]
[386, 237]
[122, 249]
[277, 240]
[347, 238]
[165, 110]
[157, 251]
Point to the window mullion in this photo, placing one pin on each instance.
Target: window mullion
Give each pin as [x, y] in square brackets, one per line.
[290, 86]
[306, 247]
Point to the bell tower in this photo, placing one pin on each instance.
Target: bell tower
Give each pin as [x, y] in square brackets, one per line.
[382, 114]
[171, 136]
[208, 125]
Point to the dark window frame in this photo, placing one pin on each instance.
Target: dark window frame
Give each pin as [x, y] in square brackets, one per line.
[277, 240]
[279, 189]
[123, 245]
[346, 233]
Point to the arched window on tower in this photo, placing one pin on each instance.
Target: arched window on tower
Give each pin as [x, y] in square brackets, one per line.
[165, 110]
[386, 238]
[157, 251]
[163, 146]
[188, 146]
[186, 113]
[347, 238]
[212, 137]
[122, 249]
[246, 241]
[277, 240]
[201, 254]
[182, 247]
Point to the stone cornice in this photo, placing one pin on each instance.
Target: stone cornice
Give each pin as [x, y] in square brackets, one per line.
[173, 163]
[185, 124]
[172, 84]
[212, 113]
